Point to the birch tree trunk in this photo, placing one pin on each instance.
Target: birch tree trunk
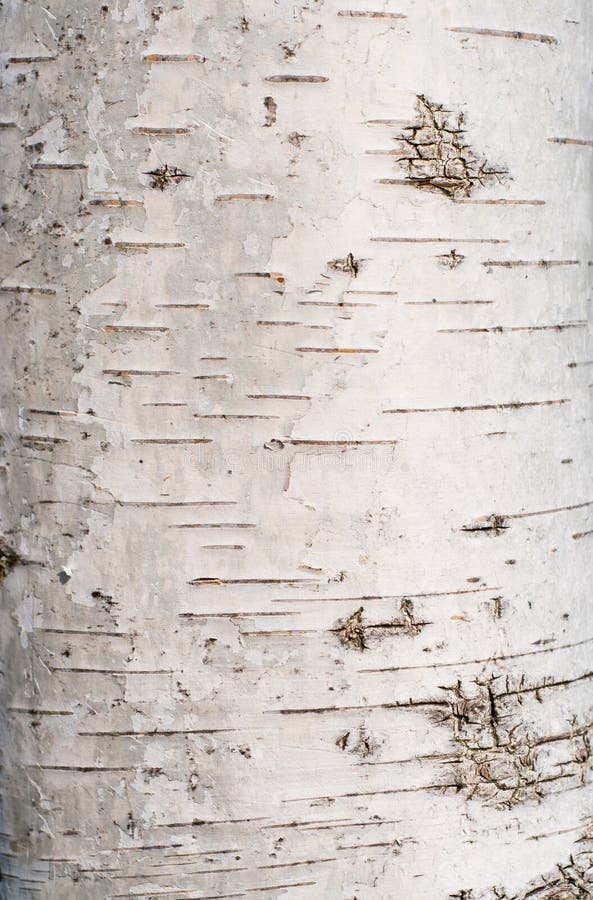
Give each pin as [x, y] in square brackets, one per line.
[297, 430]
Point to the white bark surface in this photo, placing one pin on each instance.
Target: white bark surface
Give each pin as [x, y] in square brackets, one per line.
[297, 484]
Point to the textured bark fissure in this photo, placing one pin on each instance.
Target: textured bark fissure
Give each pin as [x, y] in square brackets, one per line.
[435, 156]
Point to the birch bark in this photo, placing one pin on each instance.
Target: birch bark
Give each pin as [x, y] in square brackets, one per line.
[297, 428]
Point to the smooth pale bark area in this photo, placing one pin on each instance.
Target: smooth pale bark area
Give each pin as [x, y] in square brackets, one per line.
[297, 487]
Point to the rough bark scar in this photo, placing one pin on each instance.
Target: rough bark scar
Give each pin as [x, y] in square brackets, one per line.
[355, 633]
[494, 524]
[165, 176]
[352, 633]
[349, 265]
[451, 260]
[436, 157]
[500, 760]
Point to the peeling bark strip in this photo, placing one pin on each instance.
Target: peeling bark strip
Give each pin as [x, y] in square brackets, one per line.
[540, 263]
[174, 57]
[116, 203]
[296, 572]
[575, 141]
[223, 198]
[438, 240]
[502, 329]
[148, 245]
[64, 166]
[25, 289]
[297, 79]
[369, 14]
[161, 131]
[21, 60]
[482, 406]
[503, 202]
[516, 35]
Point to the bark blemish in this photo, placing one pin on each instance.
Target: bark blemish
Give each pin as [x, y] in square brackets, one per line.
[296, 139]
[436, 157]
[106, 600]
[271, 109]
[494, 524]
[353, 631]
[497, 607]
[360, 744]
[451, 260]
[64, 575]
[9, 558]
[503, 756]
[497, 761]
[274, 444]
[165, 176]
[349, 265]
[342, 741]
[410, 624]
